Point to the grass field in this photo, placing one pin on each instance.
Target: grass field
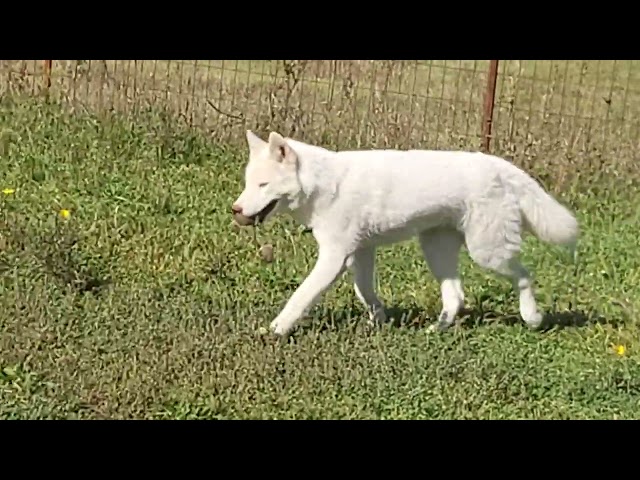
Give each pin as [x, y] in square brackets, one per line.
[125, 292]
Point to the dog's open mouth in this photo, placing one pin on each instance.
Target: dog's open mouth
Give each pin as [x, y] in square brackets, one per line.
[262, 214]
[258, 218]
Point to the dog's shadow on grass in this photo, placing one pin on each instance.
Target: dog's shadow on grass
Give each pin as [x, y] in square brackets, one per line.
[406, 316]
[552, 320]
[416, 317]
[354, 315]
[573, 319]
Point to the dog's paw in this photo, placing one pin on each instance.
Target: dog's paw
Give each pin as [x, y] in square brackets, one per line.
[444, 323]
[438, 327]
[279, 328]
[534, 321]
[433, 328]
[377, 319]
[274, 326]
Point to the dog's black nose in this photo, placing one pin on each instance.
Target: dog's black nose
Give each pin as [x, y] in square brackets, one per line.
[236, 209]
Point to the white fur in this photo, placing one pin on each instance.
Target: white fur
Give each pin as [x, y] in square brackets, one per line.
[355, 201]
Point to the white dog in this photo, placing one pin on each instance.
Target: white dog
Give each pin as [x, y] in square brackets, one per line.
[355, 201]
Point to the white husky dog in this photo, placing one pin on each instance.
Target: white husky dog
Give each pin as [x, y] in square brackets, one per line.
[355, 201]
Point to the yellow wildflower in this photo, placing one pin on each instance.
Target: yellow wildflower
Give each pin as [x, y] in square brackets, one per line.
[9, 191]
[64, 213]
[620, 350]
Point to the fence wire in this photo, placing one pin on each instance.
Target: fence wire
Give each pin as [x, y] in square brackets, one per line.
[562, 105]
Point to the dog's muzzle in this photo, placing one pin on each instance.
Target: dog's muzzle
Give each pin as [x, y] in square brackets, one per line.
[258, 218]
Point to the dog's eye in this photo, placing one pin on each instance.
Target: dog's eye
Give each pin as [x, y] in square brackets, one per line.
[263, 184]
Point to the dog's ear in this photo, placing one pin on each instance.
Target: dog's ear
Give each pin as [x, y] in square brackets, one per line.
[254, 141]
[281, 150]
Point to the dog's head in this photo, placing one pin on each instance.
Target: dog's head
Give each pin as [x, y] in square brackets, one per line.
[271, 180]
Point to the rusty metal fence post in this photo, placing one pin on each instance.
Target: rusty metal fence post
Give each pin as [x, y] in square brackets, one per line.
[489, 102]
[47, 74]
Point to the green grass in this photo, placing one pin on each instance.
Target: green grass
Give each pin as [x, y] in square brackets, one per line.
[145, 302]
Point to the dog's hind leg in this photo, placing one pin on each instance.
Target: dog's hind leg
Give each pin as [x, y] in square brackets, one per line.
[362, 264]
[441, 249]
[493, 239]
[522, 282]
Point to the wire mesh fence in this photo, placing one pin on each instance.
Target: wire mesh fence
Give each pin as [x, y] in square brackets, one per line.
[567, 106]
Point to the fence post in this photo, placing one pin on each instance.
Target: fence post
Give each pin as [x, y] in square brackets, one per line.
[47, 74]
[489, 102]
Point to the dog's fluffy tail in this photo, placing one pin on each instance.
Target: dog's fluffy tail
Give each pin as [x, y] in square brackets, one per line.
[545, 217]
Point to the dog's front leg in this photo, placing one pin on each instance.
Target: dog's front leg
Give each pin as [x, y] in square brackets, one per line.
[329, 266]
